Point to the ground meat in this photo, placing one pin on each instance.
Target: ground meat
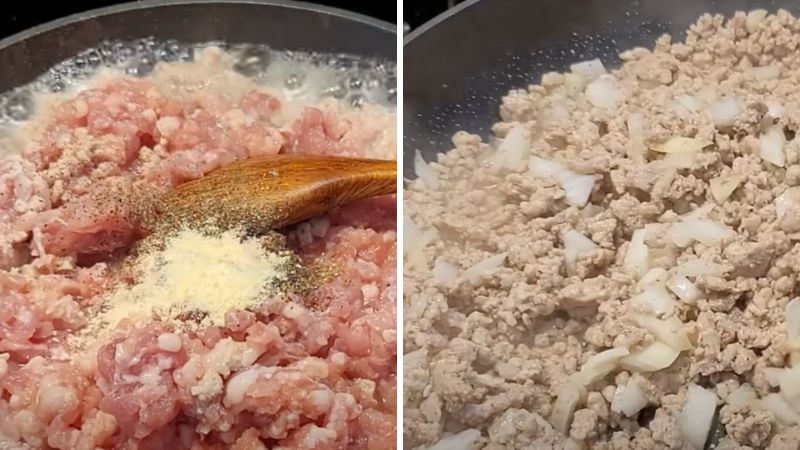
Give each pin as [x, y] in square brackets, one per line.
[516, 282]
[316, 370]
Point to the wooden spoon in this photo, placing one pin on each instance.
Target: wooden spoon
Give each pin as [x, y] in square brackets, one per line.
[270, 192]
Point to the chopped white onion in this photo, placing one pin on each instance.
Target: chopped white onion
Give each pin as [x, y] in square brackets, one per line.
[656, 275]
[765, 73]
[655, 357]
[575, 244]
[775, 109]
[754, 19]
[514, 149]
[698, 267]
[723, 186]
[544, 168]
[779, 408]
[680, 144]
[789, 383]
[793, 322]
[683, 288]
[604, 92]
[771, 143]
[637, 257]
[662, 331]
[591, 68]
[690, 103]
[725, 111]
[629, 399]
[414, 242]
[743, 395]
[570, 395]
[706, 231]
[788, 199]
[444, 272]
[655, 299]
[459, 441]
[574, 84]
[425, 172]
[773, 375]
[697, 415]
[577, 187]
[636, 135]
[600, 365]
[485, 267]
[680, 160]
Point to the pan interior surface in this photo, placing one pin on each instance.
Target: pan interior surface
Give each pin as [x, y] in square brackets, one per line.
[460, 65]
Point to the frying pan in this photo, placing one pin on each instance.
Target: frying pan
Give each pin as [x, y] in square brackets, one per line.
[459, 65]
[280, 24]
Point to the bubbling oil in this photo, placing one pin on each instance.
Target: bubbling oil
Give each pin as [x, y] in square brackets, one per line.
[301, 76]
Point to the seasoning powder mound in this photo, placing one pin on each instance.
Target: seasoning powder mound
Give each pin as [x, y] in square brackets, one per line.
[198, 274]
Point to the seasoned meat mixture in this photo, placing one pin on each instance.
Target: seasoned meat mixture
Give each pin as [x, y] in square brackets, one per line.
[616, 267]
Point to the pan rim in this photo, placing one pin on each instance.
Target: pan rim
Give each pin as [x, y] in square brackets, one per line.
[52, 25]
[427, 26]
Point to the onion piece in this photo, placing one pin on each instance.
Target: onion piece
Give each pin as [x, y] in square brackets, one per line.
[684, 289]
[655, 299]
[725, 111]
[771, 143]
[656, 275]
[706, 231]
[459, 441]
[698, 267]
[793, 321]
[789, 383]
[637, 256]
[679, 144]
[723, 186]
[780, 409]
[629, 399]
[425, 172]
[444, 272]
[600, 365]
[680, 160]
[788, 199]
[485, 267]
[414, 242]
[570, 395]
[513, 150]
[754, 19]
[697, 415]
[690, 103]
[773, 375]
[678, 340]
[591, 68]
[655, 357]
[577, 187]
[765, 73]
[775, 109]
[604, 92]
[575, 244]
[574, 84]
[743, 395]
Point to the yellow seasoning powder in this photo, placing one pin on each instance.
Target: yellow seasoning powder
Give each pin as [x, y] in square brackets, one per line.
[198, 273]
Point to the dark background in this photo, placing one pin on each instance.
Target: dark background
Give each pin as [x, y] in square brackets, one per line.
[418, 12]
[20, 15]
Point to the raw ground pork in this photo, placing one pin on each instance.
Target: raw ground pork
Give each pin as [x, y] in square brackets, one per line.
[631, 270]
[285, 376]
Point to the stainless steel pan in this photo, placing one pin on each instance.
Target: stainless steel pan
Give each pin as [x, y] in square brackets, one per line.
[279, 24]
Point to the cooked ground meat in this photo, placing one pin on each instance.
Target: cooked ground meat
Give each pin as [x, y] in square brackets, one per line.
[649, 216]
[298, 373]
